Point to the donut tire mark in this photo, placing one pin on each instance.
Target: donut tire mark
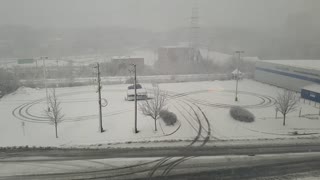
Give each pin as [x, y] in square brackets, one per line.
[171, 165]
[161, 163]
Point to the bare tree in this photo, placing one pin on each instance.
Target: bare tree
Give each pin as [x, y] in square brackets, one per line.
[53, 112]
[286, 102]
[152, 107]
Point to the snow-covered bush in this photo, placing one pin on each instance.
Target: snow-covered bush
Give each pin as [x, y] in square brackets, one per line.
[168, 117]
[241, 114]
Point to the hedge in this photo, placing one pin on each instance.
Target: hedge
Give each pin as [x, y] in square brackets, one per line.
[241, 114]
[168, 117]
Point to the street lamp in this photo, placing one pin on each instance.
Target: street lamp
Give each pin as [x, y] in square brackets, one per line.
[45, 77]
[237, 78]
[135, 97]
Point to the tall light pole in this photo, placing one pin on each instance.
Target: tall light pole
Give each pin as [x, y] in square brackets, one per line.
[239, 53]
[135, 98]
[45, 76]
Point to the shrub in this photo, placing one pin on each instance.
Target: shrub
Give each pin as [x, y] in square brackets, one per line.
[168, 117]
[241, 114]
[8, 82]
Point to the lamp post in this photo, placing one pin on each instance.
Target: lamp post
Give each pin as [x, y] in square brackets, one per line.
[45, 77]
[135, 98]
[237, 78]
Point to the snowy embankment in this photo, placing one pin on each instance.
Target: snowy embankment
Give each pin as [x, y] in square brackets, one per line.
[202, 109]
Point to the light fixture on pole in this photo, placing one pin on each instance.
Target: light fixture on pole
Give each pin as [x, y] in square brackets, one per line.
[237, 76]
[135, 97]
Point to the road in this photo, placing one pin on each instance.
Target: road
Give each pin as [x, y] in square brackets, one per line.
[238, 162]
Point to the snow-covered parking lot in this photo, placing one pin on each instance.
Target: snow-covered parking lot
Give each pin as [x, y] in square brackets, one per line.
[202, 109]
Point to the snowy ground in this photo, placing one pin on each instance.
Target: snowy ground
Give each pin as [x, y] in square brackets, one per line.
[202, 109]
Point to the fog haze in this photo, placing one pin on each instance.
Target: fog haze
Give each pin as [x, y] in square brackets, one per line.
[269, 29]
[155, 15]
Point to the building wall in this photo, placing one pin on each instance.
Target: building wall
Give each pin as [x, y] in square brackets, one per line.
[126, 62]
[178, 54]
[177, 60]
[288, 77]
[310, 95]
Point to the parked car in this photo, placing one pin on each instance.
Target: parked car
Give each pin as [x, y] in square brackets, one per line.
[141, 93]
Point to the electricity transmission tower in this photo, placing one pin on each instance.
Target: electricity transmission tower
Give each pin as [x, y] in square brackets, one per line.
[194, 31]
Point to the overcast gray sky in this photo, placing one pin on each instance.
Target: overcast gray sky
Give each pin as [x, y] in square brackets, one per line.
[156, 15]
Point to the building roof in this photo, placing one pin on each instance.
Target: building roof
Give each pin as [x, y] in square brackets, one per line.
[313, 88]
[308, 64]
[126, 57]
[180, 45]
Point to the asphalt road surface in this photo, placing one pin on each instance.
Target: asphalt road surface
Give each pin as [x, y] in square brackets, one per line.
[238, 162]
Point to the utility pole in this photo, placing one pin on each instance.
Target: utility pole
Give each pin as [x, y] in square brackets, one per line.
[57, 73]
[36, 71]
[45, 76]
[57, 61]
[99, 96]
[135, 99]
[238, 52]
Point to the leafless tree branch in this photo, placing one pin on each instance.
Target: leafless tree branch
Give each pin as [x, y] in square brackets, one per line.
[286, 102]
[53, 112]
[153, 106]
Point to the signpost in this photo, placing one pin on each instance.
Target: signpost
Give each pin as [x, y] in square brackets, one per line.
[23, 125]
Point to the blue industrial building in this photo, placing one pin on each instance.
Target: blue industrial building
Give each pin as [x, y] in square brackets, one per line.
[301, 76]
[311, 92]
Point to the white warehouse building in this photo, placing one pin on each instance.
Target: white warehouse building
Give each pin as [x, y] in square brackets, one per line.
[288, 74]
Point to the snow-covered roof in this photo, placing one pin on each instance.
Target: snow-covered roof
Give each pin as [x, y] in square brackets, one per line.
[251, 59]
[308, 64]
[177, 46]
[126, 57]
[313, 88]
